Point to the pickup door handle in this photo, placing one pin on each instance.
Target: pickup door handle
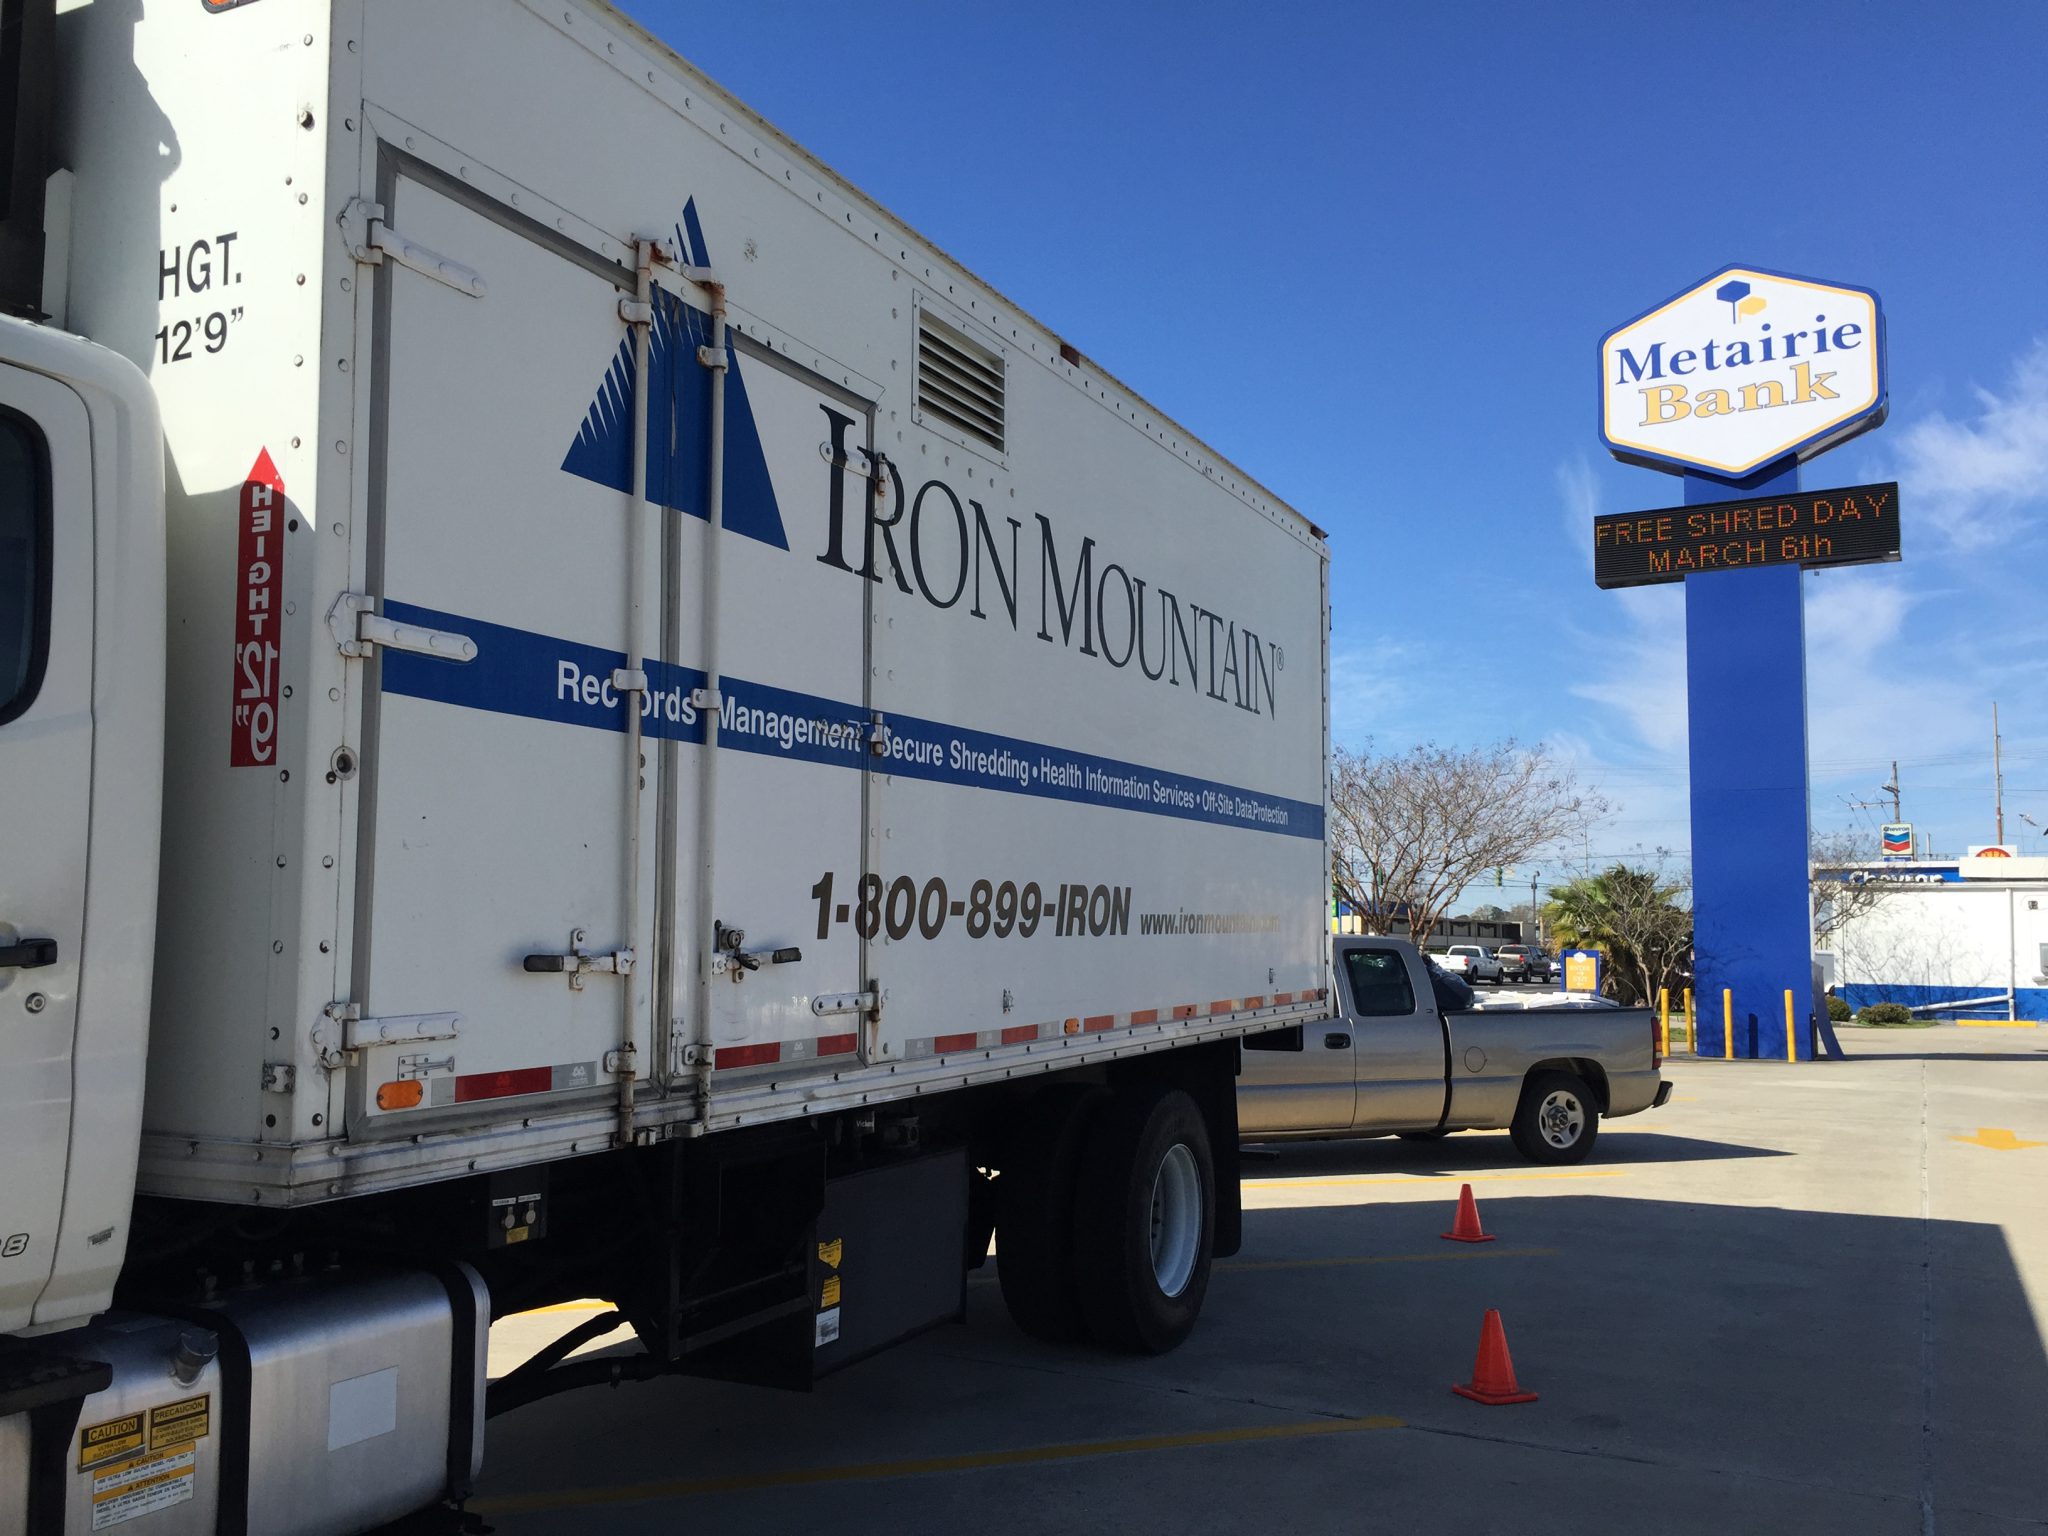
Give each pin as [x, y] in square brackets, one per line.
[28, 954]
[1337, 1042]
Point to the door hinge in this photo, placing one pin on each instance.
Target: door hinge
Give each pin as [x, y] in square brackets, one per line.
[825, 1004]
[358, 629]
[399, 1029]
[370, 240]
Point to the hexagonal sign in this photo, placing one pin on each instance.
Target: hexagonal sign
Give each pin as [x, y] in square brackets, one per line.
[1742, 369]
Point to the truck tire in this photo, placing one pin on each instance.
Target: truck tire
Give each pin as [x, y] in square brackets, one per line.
[1557, 1121]
[1145, 1221]
[1035, 1213]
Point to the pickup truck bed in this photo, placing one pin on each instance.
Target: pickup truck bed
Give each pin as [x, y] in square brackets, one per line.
[1406, 1056]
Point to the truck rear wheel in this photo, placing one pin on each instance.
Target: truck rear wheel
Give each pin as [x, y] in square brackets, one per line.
[1145, 1221]
[1035, 1213]
[1557, 1119]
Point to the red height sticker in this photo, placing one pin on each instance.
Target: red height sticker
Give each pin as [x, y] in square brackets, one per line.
[259, 587]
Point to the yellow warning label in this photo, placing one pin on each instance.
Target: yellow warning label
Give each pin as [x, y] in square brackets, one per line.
[830, 1253]
[829, 1297]
[109, 1439]
[180, 1423]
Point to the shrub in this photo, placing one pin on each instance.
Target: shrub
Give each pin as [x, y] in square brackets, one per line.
[1885, 1013]
[1840, 1011]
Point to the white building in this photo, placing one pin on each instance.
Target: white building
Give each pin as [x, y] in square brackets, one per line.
[1966, 938]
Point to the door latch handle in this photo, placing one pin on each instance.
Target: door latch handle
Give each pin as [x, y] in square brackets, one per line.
[1337, 1042]
[28, 954]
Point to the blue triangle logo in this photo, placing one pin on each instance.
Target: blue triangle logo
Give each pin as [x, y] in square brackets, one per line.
[679, 418]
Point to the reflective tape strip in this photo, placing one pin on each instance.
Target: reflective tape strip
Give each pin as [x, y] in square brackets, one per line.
[503, 1085]
[946, 1043]
[1018, 1034]
[747, 1055]
[838, 1045]
[1282, 999]
[1254, 1002]
[1145, 1016]
[1222, 1005]
[1096, 1023]
[1183, 1011]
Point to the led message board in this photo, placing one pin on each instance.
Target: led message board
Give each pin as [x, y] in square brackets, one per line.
[1854, 526]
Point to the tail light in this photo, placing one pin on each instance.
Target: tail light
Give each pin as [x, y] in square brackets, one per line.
[1656, 1042]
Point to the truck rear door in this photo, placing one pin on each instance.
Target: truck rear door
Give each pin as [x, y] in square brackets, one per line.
[46, 639]
[494, 802]
[496, 810]
[1399, 1039]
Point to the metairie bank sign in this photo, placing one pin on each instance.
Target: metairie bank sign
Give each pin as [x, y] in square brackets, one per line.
[1734, 383]
[1741, 370]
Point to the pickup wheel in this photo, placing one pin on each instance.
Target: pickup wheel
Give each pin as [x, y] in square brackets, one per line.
[1035, 1213]
[1557, 1120]
[1145, 1221]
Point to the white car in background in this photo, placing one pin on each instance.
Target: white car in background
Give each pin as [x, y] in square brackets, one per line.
[1475, 962]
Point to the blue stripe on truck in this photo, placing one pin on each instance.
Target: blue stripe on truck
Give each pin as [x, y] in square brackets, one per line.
[539, 677]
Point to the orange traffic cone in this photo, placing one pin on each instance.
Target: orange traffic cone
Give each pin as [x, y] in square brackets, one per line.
[1493, 1373]
[1466, 1228]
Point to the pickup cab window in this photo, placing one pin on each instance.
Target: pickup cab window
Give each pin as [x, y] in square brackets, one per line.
[1379, 984]
[24, 565]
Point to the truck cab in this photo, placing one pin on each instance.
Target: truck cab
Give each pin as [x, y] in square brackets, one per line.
[81, 749]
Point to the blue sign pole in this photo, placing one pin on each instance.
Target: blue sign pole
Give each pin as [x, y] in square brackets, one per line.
[1745, 650]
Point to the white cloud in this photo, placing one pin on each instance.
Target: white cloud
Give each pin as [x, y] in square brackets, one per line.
[1973, 479]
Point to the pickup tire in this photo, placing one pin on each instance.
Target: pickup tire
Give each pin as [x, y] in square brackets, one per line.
[1034, 1197]
[1145, 1221]
[1557, 1121]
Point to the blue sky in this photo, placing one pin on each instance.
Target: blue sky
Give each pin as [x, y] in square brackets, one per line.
[1367, 250]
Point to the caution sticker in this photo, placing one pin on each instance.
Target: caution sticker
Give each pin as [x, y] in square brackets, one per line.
[180, 1423]
[109, 1440]
[829, 1253]
[829, 1296]
[142, 1486]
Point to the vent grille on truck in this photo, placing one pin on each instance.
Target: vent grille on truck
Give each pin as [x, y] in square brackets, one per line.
[959, 383]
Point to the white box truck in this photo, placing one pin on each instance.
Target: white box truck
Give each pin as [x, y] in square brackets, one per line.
[582, 713]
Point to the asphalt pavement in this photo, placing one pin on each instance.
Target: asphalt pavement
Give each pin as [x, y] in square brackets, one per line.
[1797, 1298]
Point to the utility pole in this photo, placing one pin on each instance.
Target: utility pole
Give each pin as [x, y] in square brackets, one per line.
[1997, 773]
[1893, 790]
[1535, 912]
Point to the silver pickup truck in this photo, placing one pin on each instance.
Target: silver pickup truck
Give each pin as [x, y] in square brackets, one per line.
[1414, 1054]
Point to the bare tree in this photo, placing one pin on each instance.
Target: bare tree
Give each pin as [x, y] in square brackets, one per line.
[1410, 831]
[1843, 887]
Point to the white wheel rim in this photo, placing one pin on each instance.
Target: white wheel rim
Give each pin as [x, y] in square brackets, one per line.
[1176, 1219]
[1561, 1119]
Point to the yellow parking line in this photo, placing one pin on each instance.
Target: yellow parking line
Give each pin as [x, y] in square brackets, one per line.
[1349, 1179]
[566, 1306]
[634, 1493]
[1999, 1023]
[1391, 1258]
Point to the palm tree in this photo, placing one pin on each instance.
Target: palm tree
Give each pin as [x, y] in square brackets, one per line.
[1636, 917]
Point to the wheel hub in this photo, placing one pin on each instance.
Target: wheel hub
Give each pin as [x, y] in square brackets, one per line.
[1176, 1219]
[1562, 1118]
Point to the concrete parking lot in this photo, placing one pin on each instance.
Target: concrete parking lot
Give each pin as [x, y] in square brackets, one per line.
[1795, 1299]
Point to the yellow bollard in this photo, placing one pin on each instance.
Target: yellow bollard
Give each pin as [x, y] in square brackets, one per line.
[1692, 1023]
[1791, 1040]
[1663, 1021]
[1727, 1024]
